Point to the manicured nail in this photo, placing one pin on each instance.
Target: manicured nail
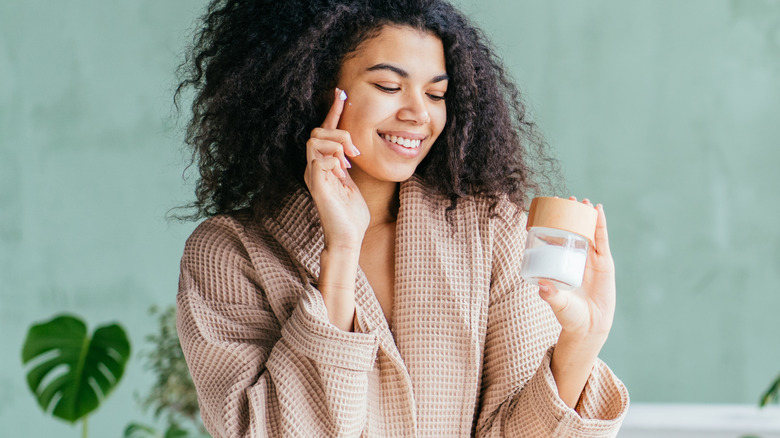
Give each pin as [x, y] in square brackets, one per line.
[544, 288]
[355, 151]
[347, 163]
[343, 95]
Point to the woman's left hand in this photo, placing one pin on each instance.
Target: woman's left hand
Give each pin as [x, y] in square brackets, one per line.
[588, 311]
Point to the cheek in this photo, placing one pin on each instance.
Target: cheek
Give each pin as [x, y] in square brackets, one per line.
[350, 115]
[439, 118]
[351, 118]
[362, 114]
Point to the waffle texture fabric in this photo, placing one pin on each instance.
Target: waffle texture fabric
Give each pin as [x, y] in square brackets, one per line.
[468, 353]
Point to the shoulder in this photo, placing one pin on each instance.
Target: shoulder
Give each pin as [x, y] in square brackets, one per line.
[223, 257]
[506, 213]
[217, 230]
[218, 241]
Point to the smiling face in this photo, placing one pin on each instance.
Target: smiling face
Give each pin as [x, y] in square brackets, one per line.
[395, 109]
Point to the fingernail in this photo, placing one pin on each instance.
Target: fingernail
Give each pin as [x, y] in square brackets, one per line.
[343, 95]
[347, 163]
[355, 151]
[544, 288]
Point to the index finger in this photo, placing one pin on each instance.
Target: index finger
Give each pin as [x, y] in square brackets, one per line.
[334, 114]
[602, 238]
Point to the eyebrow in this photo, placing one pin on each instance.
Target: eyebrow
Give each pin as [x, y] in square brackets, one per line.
[403, 73]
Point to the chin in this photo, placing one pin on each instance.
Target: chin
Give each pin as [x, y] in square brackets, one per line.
[400, 176]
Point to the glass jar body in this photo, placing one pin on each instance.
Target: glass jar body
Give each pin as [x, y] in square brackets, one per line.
[556, 255]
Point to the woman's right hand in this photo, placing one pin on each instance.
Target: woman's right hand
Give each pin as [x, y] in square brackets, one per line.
[342, 209]
[343, 213]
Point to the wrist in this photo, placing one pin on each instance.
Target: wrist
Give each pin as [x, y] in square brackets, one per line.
[340, 261]
[344, 242]
[572, 362]
[585, 336]
[574, 348]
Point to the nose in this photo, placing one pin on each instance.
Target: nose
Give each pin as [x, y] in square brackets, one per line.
[415, 110]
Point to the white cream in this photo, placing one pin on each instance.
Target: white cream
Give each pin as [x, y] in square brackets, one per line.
[564, 266]
[405, 142]
[559, 236]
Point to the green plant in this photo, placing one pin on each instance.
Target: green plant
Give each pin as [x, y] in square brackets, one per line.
[173, 393]
[771, 394]
[134, 430]
[71, 373]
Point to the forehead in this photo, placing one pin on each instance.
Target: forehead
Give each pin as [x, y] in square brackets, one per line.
[400, 45]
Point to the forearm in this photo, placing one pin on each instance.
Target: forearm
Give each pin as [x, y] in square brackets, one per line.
[572, 362]
[338, 270]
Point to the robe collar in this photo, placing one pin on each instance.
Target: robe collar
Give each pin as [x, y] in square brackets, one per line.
[297, 228]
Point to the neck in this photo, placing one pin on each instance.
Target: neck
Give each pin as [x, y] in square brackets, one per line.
[381, 199]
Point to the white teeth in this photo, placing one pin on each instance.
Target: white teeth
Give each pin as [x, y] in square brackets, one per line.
[405, 142]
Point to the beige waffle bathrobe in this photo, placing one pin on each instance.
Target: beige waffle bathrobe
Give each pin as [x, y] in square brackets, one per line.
[468, 352]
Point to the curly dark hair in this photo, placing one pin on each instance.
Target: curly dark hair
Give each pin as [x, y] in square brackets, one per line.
[263, 72]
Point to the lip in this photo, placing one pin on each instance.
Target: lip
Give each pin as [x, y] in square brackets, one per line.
[400, 150]
[405, 134]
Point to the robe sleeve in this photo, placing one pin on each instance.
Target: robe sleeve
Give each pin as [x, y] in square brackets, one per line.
[519, 397]
[257, 374]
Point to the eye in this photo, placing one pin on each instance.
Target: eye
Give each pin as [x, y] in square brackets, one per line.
[387, 89]
[436, 97]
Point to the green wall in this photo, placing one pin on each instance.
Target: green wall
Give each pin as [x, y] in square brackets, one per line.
[665, 111]
[90, 164]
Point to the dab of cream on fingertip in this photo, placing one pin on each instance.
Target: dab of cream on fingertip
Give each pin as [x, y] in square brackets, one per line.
[343, 95]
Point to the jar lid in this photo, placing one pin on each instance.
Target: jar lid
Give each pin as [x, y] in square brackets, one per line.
[563, 214]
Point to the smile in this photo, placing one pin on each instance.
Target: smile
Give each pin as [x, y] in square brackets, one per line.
[405, 142]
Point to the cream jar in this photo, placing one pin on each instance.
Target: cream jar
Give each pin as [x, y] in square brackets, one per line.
[560, 232]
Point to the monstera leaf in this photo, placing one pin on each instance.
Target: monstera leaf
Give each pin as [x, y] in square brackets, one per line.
[70, 372]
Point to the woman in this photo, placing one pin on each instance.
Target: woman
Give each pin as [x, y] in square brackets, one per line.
[364, 167]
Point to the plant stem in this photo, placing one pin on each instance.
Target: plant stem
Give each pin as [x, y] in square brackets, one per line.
[84, 427]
